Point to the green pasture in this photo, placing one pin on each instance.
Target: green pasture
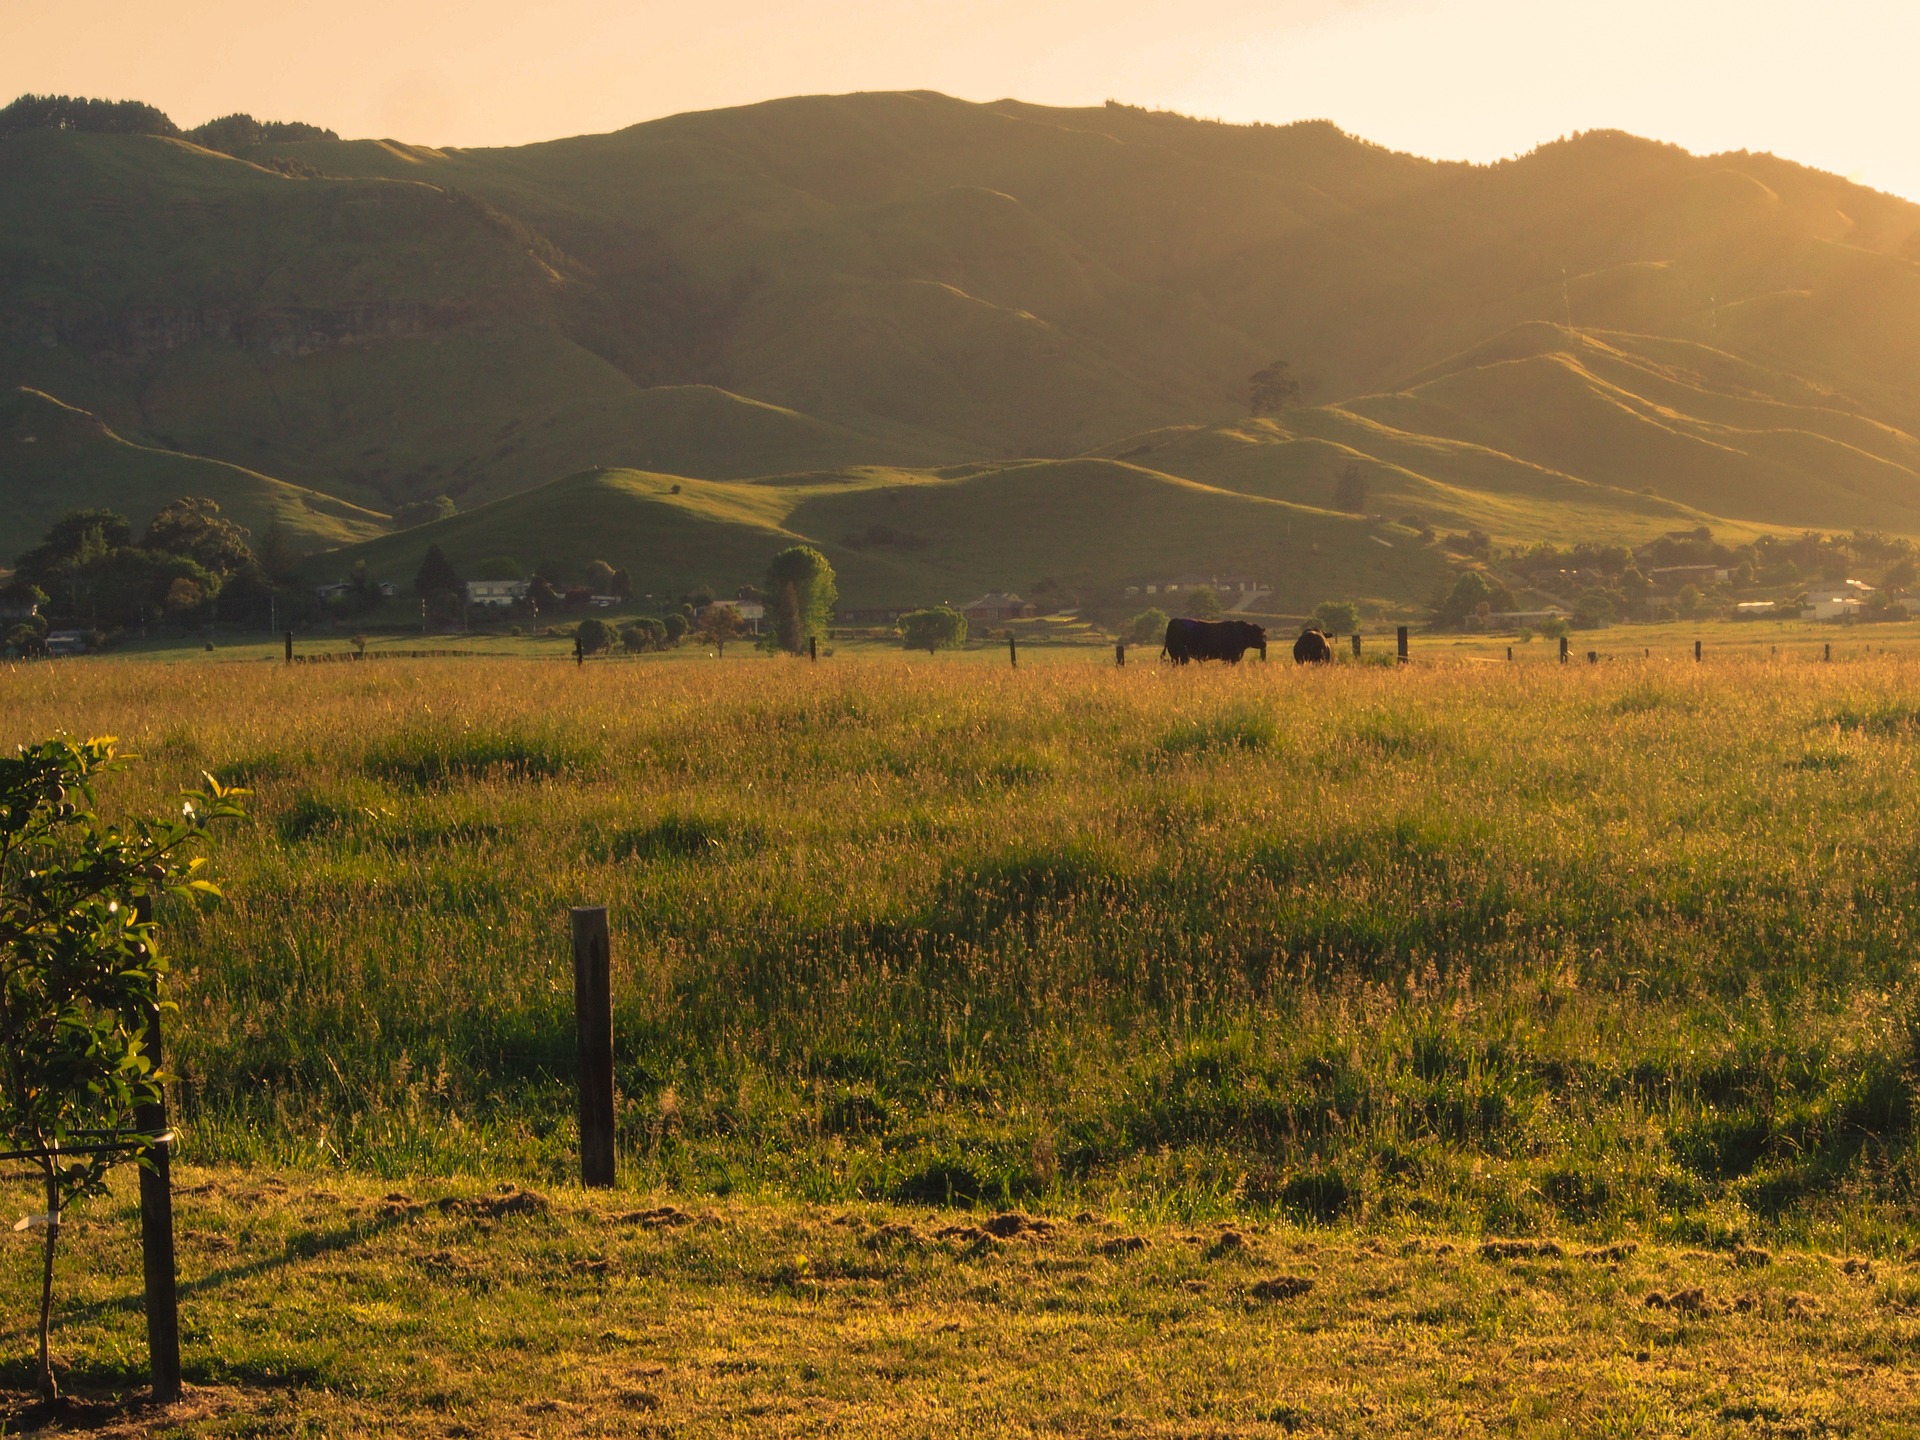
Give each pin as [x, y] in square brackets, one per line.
[1610, 949]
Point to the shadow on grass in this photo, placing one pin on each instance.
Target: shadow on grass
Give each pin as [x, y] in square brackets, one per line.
[97, 1394]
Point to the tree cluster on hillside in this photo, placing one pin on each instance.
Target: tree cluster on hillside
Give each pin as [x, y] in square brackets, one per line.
[1271, 389]
[229, 134]
[190, 565]
[233, 133]
[72, 112]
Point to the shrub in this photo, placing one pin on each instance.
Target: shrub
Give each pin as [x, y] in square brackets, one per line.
[594, 636]
[938, 628]
[1338, 617]
[1147, 627]
[676, 628]
[642, 635]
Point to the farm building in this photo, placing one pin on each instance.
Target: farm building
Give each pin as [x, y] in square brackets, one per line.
[1838, 602]
[997, 607]
[496, 594]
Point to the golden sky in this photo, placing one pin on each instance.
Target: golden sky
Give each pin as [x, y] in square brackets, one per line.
[1827, 82]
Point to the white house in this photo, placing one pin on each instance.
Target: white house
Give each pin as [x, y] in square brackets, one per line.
[496, 594]
[1838, 602]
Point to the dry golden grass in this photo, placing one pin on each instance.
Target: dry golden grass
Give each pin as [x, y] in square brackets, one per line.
[331, 1305]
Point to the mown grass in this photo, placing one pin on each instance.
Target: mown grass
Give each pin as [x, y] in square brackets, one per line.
[341, 1305]
[1593, 951]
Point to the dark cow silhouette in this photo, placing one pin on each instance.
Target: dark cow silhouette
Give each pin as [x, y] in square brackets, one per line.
[1226, 640]
[1312, 648]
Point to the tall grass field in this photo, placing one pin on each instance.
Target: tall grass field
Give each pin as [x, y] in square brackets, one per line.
[1602, 950]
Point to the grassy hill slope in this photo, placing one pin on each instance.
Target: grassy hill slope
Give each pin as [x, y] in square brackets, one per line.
[1544, 431]
[899, 537]
[55, 458]
[827, 283]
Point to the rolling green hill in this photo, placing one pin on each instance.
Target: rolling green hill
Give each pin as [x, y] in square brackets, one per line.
[1545, 431]
[1606, 337]
[900, 537]
[55, 458]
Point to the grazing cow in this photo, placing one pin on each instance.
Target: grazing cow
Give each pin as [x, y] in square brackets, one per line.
[1312, 648]
[1226, 640]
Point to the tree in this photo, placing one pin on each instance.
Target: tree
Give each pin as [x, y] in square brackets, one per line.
[1467, 595]
[542, 596]
[1338, 617]
[81, 967]
[192, 527]
[1271, 390]
[600, 577]
[676, 628]
[620, 586]
[436, 575]
[719, 623]
[1203, 603]
[937, 628]
[1595, 609]
[499, 567]
[594, 636]
[801, 594]
[1146, 627]
[1350, 491]
[76, 538]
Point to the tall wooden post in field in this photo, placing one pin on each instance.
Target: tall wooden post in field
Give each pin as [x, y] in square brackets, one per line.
[1565, 649]
[593, 1023]
[1120, 652]
[1013, 653]
[1400, 642]
[289, 647]
[156, 1221]
[1696, 652]
[1356, 644]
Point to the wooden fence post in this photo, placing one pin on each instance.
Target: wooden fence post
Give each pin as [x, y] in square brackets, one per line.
[1565, 650]
[593, 1024]
[1013, 654]
[1400, 642]
[289, 647]
[1696, 652]
[1356, 644]
[156, 1222]
[813, 647]
[1120, 652]
[1829, 654]
[1509, 654]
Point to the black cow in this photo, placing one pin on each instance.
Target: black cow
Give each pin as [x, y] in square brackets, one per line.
[1226, 640]
[1312, 648]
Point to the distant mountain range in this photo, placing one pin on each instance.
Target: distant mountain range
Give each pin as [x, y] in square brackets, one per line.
[902, 304]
